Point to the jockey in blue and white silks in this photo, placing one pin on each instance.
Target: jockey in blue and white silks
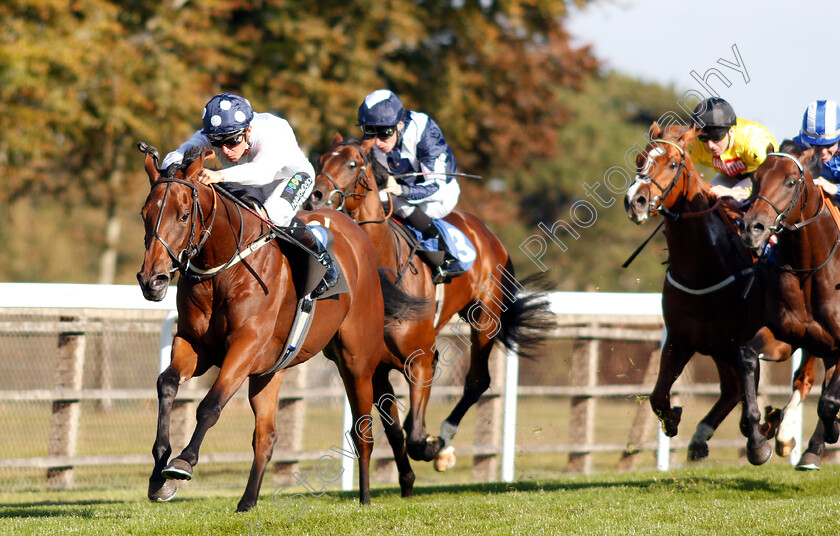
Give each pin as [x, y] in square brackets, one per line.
[821, 130]
[412, 142]
[259, 150]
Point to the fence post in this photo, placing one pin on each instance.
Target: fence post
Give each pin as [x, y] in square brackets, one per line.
[584, 373]
[511, 399]
[290, 417]
[487, 420]
[64, 423]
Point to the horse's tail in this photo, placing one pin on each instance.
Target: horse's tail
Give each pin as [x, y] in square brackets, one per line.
[528, 321]
[398, 304]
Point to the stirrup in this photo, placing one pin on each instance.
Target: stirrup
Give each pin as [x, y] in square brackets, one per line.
[330, 277]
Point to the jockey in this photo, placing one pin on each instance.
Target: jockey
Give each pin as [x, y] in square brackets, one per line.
[259, 150]
[733, 146]
[412, 142]
[821, 130]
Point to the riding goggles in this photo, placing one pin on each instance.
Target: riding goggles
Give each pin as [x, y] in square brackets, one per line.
[383, 133]
[713, 136]
[227, 140]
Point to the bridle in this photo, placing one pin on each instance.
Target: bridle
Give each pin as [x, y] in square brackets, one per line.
[359, 180]
[656, 206]
[182, 259]
[779, 224]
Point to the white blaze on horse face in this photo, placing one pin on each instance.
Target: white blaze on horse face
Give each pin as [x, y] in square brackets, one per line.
[650, 163]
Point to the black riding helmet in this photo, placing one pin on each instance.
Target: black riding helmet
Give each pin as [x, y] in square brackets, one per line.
[714, 116]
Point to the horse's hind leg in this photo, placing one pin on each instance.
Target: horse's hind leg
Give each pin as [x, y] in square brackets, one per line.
[803, 380]
[730, 395]
[671, 364]
[182, 367]
[386, 403]
[476, 383]
[262, 395]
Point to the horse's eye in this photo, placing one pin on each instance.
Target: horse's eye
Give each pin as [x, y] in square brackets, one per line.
[184, 217]
[673, 165]
[352, 164]
[792, 182]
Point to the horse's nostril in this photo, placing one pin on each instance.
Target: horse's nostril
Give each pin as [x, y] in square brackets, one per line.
[641, 201]
[317, 196]
[160, 280]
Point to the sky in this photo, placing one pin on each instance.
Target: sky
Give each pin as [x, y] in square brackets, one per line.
[789, 52]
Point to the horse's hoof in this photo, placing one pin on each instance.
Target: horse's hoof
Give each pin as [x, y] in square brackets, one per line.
[162, 490]
[698, 451]
[808, 462]
[178, 469]
[760, 455]
[445, 459]
[784, 448]
[245, 506]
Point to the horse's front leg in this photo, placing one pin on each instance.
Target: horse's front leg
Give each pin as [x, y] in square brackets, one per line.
[182, 368]
[761, 345]
[262, 394]
[235, 369]
[829, 404]
[671, 364]
[730, 394]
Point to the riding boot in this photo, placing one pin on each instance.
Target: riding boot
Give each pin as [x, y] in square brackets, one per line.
[426, 225]
[304, 235]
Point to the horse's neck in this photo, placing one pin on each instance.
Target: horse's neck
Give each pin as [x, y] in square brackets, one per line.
[371, 210]
[811, 245]
[700, 245]
[223, 241]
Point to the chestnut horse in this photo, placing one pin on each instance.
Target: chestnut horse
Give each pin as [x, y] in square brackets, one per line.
[487, 296]
[703, 302]
[240, 318]
[801, 301]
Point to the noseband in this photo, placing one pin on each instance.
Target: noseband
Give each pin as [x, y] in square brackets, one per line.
[359, 180]
[182, 259]
[781, 215]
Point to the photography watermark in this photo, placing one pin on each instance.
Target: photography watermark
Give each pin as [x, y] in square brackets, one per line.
[480, 317]
[617, 179]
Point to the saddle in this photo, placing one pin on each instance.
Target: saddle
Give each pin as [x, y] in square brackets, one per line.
[436, 253]
[307, 272]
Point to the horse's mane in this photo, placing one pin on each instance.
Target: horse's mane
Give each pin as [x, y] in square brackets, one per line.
[813, 165]
[191, 155]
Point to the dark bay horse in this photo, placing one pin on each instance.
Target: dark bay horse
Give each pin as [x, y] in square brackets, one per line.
[703, 302]
[240, 318]
[487, 297]
[803, 309]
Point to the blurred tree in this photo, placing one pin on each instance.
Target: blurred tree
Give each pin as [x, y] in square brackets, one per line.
[81, 82]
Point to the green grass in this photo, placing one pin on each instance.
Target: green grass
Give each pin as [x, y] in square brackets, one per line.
[719, 501]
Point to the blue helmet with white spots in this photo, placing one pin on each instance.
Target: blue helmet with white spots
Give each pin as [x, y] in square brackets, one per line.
[225, 114]
[821, 123]
[382, 108]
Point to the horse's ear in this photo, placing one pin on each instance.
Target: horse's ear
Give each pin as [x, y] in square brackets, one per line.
[770, 148]
[197, 165]
[151, 169]
[367, 144]
[804, 157]
[655, 131]
[337, 138]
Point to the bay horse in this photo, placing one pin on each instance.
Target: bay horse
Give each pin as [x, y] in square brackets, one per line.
[801, 301]
[487, 296]
[704, 305]
[240, 318]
